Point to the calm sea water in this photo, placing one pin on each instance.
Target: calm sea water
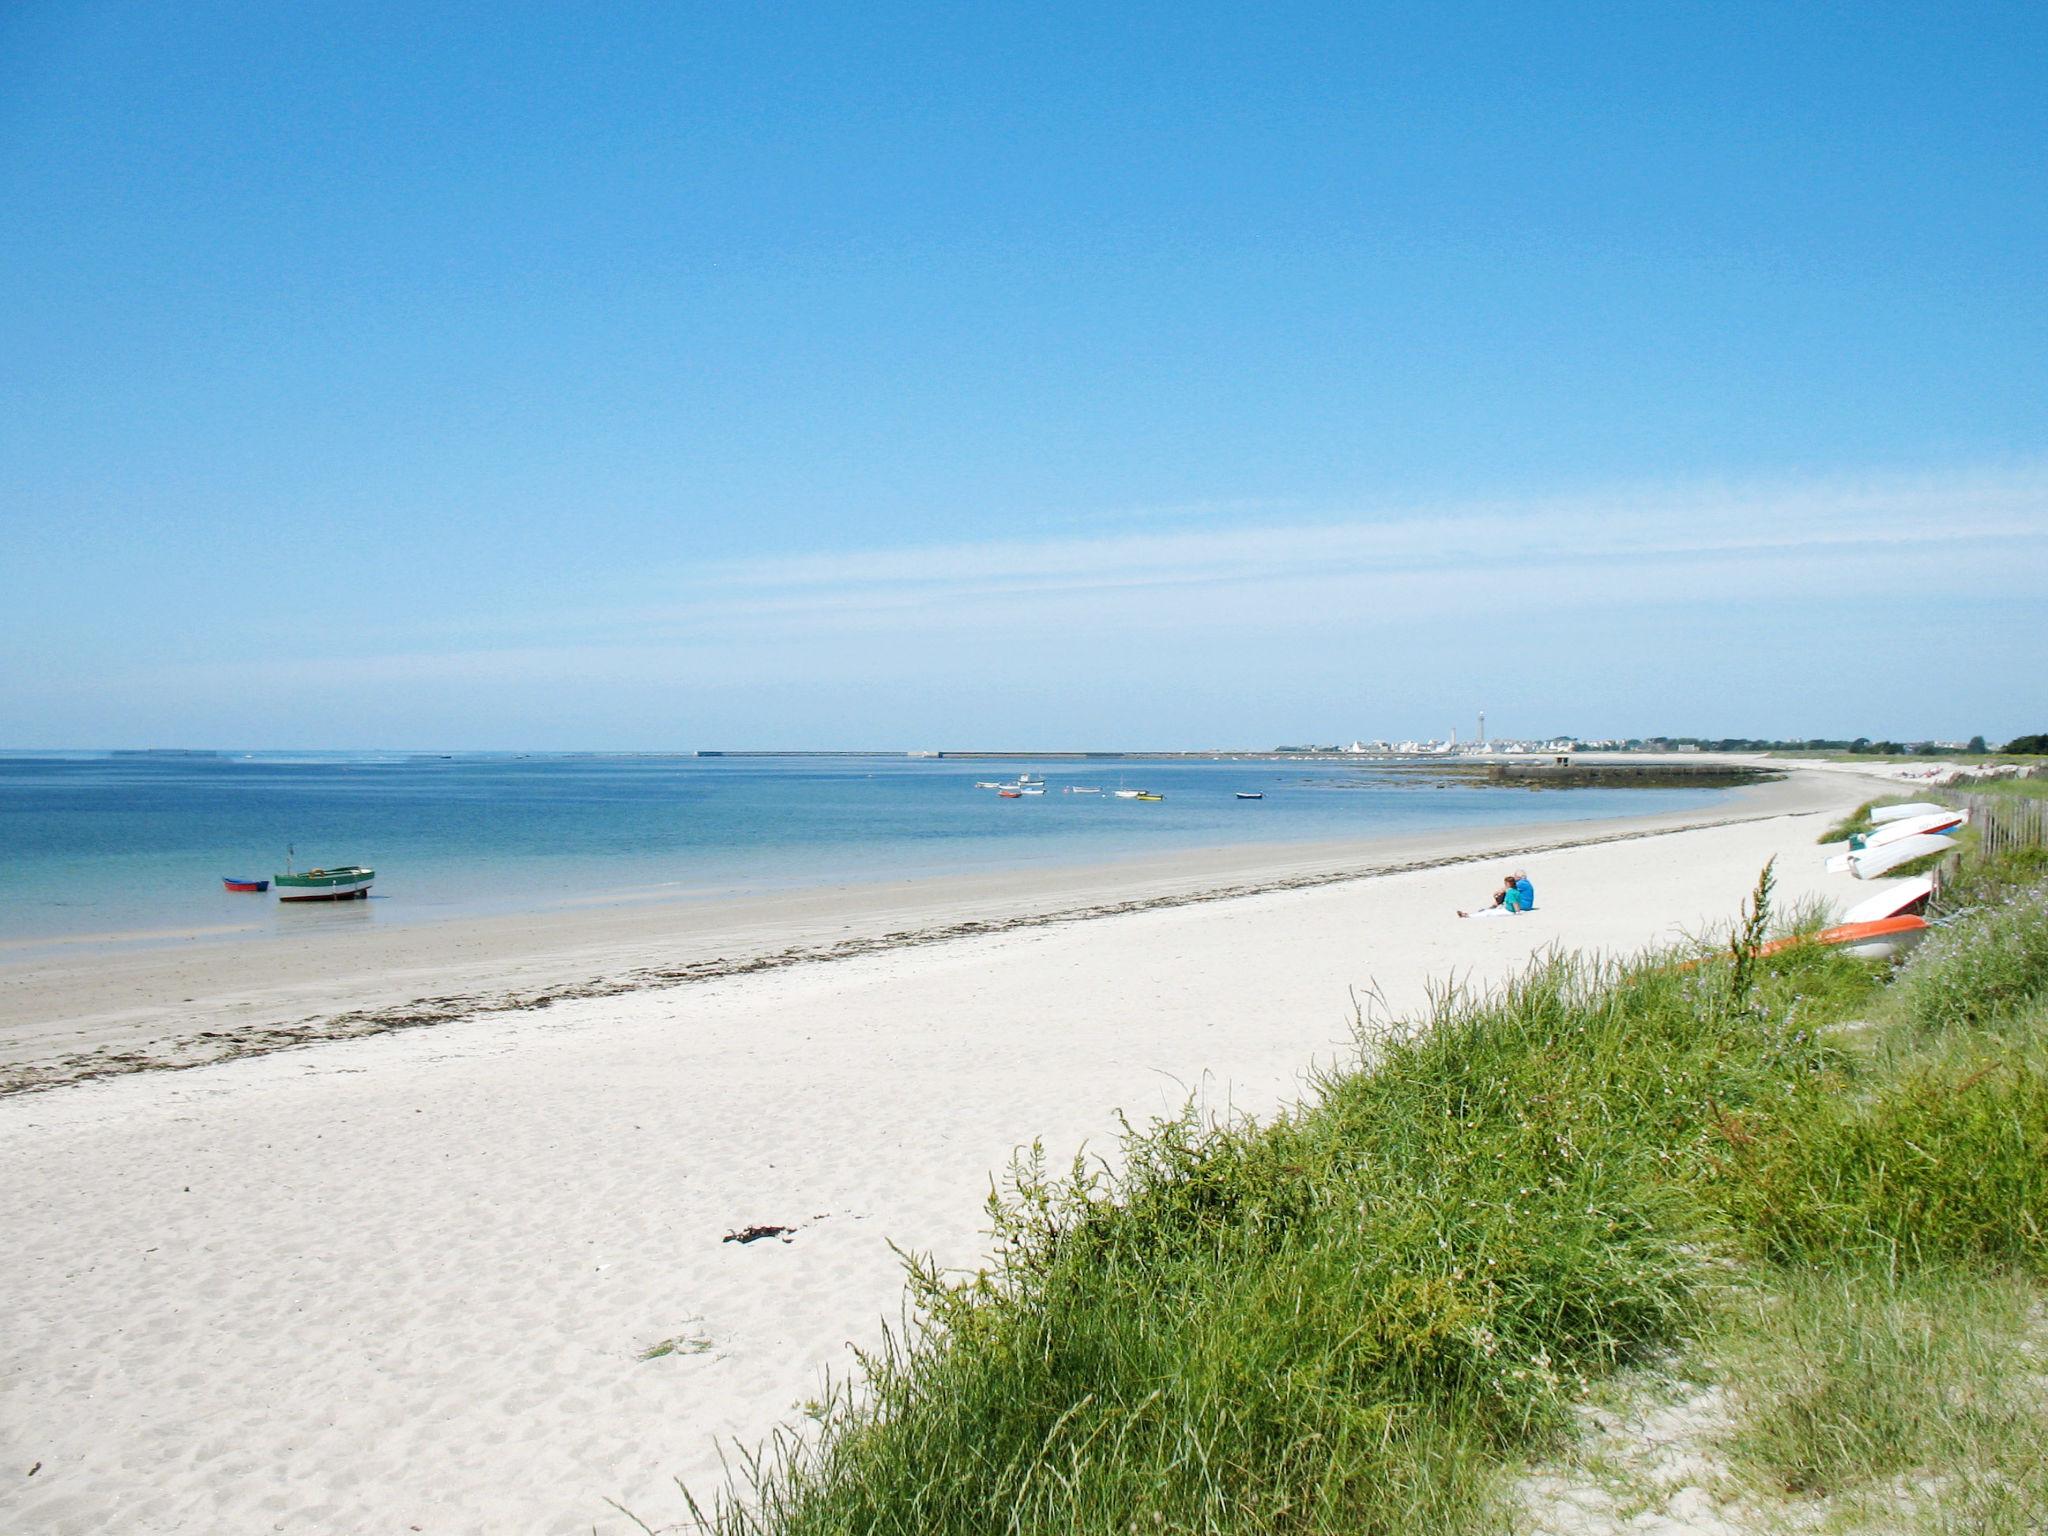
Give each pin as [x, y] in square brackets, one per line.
[130, 845]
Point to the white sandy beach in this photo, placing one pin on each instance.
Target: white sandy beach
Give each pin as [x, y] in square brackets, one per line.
[405, 1282]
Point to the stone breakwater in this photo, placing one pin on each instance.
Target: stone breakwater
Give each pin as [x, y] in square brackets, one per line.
[1564, 774]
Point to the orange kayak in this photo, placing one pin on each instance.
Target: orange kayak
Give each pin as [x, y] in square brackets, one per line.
[1880, 940]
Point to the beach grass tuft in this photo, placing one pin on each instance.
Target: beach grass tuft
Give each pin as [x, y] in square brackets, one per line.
[681, 1344]
[1856, 824]
[1905, 1391]
[1938, 1161]
[1977, 971]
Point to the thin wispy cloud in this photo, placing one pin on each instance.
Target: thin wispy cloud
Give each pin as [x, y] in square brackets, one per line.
[874, 613]
[1612, 545]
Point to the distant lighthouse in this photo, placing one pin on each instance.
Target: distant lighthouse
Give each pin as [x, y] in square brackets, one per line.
[1482, 728]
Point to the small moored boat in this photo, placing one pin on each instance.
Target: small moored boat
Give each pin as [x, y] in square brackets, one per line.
[1251, 794]
[1146, 794]
[235, 884]
[1010, 794]
[344, 883]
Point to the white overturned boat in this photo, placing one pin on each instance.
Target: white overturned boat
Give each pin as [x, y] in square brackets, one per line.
[1885, 813]
[1885, 939]
[1899, 899]
[1895, 832]
[1868, 863]
[1936, 820]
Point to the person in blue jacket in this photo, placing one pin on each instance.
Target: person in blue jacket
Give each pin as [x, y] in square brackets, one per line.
[1515, 896]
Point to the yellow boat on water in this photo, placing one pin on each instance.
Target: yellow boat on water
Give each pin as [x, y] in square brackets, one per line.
[1146, 794]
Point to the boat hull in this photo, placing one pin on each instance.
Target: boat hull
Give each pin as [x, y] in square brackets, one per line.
[349, 884]
[1872, 862]
[1896, 900]
[1913, 826]
[1885, 813]
[1881, 940]
[1885, 939]
[252, 886]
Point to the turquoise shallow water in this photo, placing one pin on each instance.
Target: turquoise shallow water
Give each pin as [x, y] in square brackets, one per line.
[115, 844]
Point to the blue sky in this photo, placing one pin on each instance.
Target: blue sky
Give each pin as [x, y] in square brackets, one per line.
[675, 376]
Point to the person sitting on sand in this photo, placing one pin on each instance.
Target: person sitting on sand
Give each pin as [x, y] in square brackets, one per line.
[1505, 900]
[1525, 893]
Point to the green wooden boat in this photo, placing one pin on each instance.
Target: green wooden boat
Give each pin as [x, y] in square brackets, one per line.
[342, 884]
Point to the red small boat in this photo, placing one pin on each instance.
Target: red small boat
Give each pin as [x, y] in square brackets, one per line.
[1010, 794]
[244, 885]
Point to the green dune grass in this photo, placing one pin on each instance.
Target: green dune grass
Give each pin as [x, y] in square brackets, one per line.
[1361, 1316]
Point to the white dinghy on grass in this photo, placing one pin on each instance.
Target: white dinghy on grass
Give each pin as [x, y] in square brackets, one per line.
[1884, 813]
[1868, 863]
[1897, 832]
[1898, 899]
